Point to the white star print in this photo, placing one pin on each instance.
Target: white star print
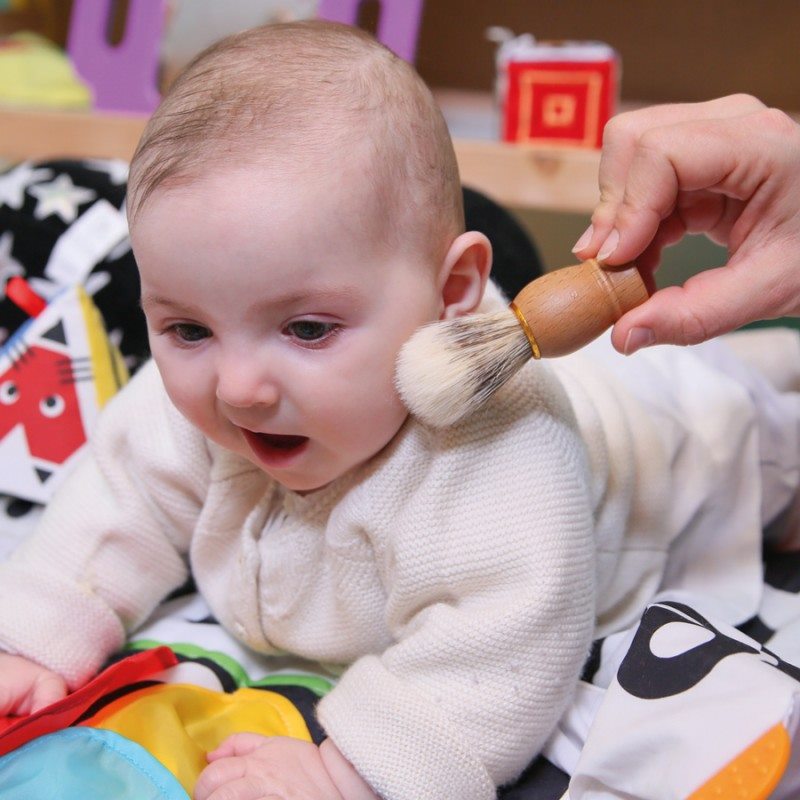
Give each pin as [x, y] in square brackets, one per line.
[46, 289]
[120, 250]
[115, 168]
[97, 281]
[61, 197]
[9, 266]
[14, 183]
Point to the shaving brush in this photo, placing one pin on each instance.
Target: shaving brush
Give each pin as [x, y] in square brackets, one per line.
[448, 369]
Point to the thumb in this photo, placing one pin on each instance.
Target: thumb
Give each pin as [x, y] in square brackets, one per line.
[49, 688]
[46, 689]
[8, 701]
[238, 744]
[710, 303]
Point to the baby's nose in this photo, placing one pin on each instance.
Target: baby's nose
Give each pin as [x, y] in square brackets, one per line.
[241, 383]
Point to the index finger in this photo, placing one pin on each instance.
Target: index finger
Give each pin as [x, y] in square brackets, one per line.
[621, 139]
[731, 157]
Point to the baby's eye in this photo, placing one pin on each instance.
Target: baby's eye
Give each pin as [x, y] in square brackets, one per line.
[309, 330]
[186, 332]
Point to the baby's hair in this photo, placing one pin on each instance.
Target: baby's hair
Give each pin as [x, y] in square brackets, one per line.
[295, 92]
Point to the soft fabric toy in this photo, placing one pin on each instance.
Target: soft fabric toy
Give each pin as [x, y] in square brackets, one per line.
[62, 230]
[143, 726]
[56, 373]
[63, 223]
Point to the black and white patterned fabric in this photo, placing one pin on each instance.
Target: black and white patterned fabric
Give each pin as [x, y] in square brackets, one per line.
[39, 203]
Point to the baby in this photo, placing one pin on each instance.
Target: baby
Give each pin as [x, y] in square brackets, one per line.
[295, 212]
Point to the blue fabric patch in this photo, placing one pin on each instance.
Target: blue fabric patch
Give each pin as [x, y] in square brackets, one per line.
[85, 764]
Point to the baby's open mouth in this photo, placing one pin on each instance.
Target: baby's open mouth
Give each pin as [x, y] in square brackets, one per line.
[271, 447]
[282, 442]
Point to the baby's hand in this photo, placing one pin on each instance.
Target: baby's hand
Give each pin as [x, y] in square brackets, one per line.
[247, 766]
[26, 687]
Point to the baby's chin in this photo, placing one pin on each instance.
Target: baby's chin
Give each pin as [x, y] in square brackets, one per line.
[308, 484]
[301, 484]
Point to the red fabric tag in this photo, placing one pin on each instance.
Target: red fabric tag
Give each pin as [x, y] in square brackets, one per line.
[19, 292]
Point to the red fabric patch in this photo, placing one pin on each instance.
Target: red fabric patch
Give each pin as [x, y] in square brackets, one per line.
[16, 731]
[42, 385]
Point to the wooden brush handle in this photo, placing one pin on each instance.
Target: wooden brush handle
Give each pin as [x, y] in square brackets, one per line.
[567, 308]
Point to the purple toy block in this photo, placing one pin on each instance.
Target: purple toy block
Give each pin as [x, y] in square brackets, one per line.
[398, 25]
[122, 77]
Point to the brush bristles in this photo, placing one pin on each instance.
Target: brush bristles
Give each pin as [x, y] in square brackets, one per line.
[448, 369]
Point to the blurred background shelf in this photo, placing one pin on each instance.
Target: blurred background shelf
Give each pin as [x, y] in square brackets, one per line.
[33, 134]
[553, 178]
[522, 176]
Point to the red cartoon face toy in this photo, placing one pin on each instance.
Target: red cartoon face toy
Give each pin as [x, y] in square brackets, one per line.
[38, 392]
[56, 372]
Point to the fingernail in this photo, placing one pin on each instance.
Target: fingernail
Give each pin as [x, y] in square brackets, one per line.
[638, 338]
[586, 237]
[609, 245]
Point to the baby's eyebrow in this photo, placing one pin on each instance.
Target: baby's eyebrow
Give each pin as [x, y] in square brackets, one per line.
[319, 293]
[148, 300]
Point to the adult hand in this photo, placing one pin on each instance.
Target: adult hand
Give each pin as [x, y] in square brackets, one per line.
[729, 168]
[247, 766]
[26, 687]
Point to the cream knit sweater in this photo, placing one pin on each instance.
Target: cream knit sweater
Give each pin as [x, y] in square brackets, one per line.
[456, 573]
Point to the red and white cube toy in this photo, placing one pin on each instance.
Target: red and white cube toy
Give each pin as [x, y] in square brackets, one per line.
[559, 93]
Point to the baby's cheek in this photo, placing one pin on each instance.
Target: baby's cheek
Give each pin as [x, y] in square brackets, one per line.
[195, 405]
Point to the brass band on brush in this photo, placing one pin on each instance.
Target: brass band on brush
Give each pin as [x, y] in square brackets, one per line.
[527, 329]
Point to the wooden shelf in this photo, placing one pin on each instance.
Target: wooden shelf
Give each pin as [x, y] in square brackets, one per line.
[523, 176]
[26, 134]
[553, 178]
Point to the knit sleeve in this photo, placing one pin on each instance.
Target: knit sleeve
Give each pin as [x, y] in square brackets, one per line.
[112, 542]
[489, 567]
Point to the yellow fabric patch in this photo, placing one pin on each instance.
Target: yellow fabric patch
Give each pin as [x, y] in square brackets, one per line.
[179, 723]
[56, 373]
[108, 368]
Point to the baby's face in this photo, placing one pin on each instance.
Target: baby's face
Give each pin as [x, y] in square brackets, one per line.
[275, 316]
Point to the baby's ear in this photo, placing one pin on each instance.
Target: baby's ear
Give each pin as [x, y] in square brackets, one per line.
[464, 273]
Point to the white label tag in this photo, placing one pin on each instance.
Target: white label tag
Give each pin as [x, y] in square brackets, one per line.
[85, 243]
